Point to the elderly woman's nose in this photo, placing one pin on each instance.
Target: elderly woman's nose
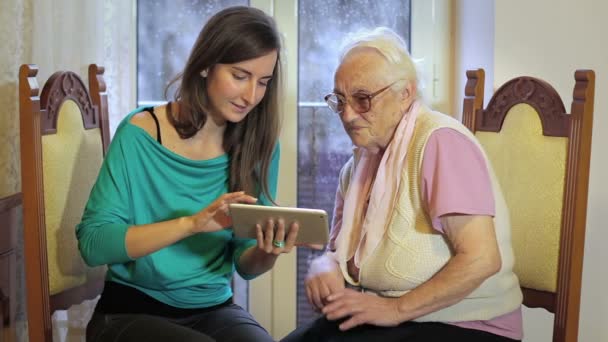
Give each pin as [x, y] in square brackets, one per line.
[348, 114]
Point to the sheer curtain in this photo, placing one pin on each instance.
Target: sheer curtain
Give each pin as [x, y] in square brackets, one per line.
[71, 34]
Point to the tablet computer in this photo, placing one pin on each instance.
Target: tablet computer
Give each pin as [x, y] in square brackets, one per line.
[314, 228]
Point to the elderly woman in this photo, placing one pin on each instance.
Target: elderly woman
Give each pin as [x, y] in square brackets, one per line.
[420, 246]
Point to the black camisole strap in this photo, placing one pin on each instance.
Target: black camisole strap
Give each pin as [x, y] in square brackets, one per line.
[151, 111]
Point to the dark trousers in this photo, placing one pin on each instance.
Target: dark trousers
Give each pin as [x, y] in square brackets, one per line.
[228, 323]
[327, 331]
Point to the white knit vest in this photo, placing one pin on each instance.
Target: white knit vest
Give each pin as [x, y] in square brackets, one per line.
[412, 251]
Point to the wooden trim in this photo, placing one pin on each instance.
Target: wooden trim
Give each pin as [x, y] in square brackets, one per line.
[10, 202]
[538, 94]
[539, 299]
[574, 214]
[5, 311]
[473, 98]
[8, 214]
[36, 265]
[9, 210]
[61, 86]
[99, 95]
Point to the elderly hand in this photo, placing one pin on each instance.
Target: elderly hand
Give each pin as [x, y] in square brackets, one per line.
[362, 308]
[324, 278]
[273, 242]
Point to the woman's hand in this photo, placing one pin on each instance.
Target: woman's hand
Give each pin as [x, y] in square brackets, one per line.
[323, 279]
[259, 259]
[215, 217]
[276, 242]
[362, 308]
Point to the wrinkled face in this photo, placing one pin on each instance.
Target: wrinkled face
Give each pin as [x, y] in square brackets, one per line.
[235, 89]
[363, 72]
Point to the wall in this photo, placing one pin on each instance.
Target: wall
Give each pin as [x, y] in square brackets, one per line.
[432, 49]
[15, 32]
[549, 39]
[473, 35]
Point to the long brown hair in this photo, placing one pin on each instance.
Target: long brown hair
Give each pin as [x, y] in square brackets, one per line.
[233, 35]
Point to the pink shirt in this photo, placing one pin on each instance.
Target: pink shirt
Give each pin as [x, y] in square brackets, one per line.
[455, 180]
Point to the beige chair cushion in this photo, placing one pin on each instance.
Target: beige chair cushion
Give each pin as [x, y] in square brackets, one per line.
[531, 172]
[71, 162]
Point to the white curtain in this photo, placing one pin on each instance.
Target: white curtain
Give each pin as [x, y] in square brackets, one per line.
[120, 58]
[71, 34]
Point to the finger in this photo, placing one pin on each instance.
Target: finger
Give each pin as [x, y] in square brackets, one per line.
[269, 236]
[330, 307]
[291, 237]
[343, 293]
[352, 322]
[240, 197]
[243, 198]
[334, 296]
[335, 313]
[316, 298]
[280, 233]
[309, 296]
[260, 236]
[340, 309]
[345, 307]
[324, 291]
[232, 195]
[247, 199]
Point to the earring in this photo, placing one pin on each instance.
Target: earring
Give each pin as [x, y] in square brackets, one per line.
[204, 73]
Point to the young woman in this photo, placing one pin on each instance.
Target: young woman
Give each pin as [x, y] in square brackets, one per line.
[157, 213]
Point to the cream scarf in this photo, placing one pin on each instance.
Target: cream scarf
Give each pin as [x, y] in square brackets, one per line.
[362, 231]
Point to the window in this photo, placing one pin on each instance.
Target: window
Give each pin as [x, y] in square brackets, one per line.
[166, 30]
[323, 146]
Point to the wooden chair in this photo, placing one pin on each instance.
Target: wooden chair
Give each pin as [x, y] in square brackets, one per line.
[64, 135]
[541, 156]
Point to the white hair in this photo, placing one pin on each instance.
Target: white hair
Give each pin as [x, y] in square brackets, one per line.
[390, 45]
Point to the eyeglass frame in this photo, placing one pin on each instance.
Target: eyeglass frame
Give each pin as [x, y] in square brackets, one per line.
[368, 97]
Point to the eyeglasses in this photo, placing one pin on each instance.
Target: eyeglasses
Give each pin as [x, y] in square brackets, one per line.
[359, 102]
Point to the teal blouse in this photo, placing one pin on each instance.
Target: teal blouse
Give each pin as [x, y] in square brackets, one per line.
[142, 182]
